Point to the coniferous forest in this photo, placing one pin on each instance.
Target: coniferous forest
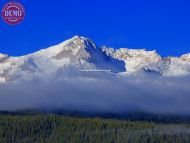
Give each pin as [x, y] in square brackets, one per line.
[62, 129]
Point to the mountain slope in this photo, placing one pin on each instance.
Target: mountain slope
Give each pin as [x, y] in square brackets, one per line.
[79, 53]
[150, 61]
[135, 59]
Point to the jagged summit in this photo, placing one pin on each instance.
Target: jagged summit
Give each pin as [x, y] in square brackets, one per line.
[81, 53]
[74, 43]
[135, 59]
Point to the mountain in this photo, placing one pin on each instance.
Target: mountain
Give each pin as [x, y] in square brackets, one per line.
[135, 59]
[150, 61]
[170, 66]
[77, 53]
[82, 54]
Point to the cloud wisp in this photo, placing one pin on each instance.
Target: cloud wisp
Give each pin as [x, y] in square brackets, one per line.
[100, 92]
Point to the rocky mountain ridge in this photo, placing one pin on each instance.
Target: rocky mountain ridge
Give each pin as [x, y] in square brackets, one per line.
[81, 53]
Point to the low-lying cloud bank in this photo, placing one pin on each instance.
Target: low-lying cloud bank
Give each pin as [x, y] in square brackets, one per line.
[100, 92]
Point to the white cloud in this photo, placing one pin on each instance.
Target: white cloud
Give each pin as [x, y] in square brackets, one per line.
[100, 92]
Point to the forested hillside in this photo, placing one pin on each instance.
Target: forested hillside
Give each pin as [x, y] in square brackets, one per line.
[61, 129]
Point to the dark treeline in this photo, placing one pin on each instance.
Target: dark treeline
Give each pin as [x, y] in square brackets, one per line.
[61, 129]
[133, 116]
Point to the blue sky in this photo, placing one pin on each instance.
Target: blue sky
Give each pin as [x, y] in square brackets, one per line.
[163, 25]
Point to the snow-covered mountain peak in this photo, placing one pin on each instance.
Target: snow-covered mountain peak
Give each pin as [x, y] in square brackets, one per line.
[131, 53]
[79, 53]
[135, 59]
[80, 40]
[170, 66]
[151, 61]
[76, 47]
